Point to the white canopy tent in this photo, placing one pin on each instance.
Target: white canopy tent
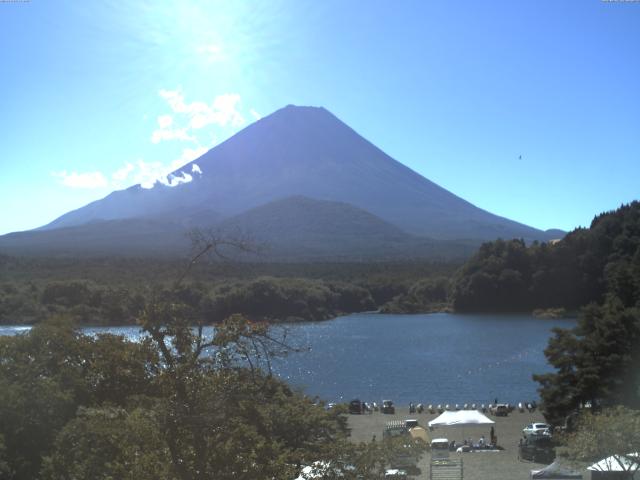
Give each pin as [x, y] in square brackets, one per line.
[617, 463]
[460, 418]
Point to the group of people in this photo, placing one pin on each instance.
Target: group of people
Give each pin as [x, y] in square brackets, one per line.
[468, 444]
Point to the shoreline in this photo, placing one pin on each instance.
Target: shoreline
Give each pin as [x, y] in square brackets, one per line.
[299, 320]
[494, 465]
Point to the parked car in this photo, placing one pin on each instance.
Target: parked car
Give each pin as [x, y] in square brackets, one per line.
[410, 423]
[439, 449]
[355, 406]
[537, 429]
[395, 473]
[537, 449]
[387, 407]
[499, 410]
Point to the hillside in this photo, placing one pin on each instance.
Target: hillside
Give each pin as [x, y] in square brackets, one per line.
[302, 228]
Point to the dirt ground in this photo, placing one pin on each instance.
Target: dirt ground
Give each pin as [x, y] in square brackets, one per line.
[502, 465]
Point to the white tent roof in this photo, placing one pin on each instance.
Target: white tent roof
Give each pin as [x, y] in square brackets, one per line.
[555, 470]
[461, 417]
[615, 463]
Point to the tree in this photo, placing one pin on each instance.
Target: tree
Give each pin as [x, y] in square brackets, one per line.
[186, 403]
[221, 412]
[41, 386]
[611, 434]
[596, 362]
[109, 443]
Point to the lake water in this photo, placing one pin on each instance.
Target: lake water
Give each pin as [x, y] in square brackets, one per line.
[434, 358]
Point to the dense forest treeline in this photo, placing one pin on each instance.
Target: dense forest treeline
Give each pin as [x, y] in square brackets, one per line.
[584, 267]
[504, 275]
[111, 291]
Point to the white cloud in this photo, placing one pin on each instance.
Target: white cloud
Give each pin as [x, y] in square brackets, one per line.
[167, 134]
[121, 174]
[175, 180]
[82, 180]
[147, 174]
[222, 111]
[186, 122]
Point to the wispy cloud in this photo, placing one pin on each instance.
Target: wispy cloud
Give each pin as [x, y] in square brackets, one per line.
[82, 180]
[146, 174]
[222, 111]
[190, 122]
[165, 132]
[121, 174]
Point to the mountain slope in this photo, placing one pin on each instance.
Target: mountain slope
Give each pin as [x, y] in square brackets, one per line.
[305, 229]
[295, 228]
[307, 151]
[111, 237]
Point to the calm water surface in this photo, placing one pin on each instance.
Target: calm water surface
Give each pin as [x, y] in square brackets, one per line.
[434, 358]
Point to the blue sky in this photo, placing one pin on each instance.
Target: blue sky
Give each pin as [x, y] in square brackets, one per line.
[528, 109]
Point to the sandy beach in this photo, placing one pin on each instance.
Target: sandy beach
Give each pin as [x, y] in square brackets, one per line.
[502, 465]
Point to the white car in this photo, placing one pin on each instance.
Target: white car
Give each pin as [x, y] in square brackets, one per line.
[395, 473]
[537, 429]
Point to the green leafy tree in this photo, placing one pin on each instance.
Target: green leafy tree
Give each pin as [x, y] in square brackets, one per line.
[109, 443]
[611, 434]
[596, 363]
[41, 386]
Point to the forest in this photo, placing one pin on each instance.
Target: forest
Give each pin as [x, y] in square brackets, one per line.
[586, 266]
[112, 291]
[178, 405]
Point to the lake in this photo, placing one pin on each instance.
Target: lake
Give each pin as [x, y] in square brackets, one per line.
[431, 358]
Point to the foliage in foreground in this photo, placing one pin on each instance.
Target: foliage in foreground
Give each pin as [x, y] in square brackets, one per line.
[177, 405]
[614, 432]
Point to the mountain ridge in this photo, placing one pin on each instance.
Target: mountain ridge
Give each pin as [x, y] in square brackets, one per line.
[304, 152]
